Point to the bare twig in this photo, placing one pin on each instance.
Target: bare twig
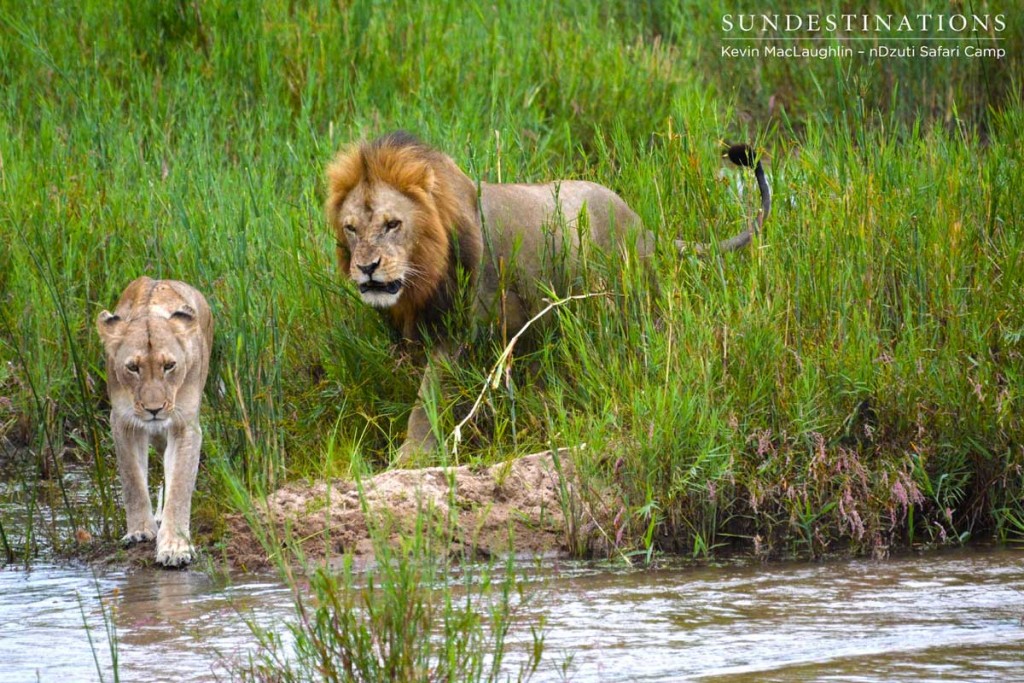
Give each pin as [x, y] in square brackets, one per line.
[494, 376]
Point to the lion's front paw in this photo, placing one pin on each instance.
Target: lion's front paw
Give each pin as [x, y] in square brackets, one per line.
[410, 452]
[414, 450]
[141, 535]
[174, 551]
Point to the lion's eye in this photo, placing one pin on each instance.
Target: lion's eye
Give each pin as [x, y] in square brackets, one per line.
[169, 365]
[393, 224]
[132, 367]
[350, 229]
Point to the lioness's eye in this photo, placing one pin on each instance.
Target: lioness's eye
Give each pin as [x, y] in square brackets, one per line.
[392, 225]
[350, 229]
[169, 365]
[132, 367]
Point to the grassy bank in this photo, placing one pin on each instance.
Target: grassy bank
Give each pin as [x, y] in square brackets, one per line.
[856, 378]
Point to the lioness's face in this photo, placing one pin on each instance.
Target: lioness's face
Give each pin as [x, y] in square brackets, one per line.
[376, 227]
[150, 366]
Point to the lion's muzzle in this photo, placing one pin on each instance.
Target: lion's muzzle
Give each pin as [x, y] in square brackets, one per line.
[391, 287]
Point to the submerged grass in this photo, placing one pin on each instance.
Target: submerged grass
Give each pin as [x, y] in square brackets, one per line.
[856, 378]
[407, 619]
[109, 634]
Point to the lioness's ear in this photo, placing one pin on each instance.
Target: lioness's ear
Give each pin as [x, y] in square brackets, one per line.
[183, 319]
[108, 325]
[185, 313]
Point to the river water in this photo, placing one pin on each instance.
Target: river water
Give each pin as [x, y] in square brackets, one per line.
[941, 616]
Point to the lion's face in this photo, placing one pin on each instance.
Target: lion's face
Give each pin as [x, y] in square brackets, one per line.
[406, 226]
[376, 231]
[147, 363]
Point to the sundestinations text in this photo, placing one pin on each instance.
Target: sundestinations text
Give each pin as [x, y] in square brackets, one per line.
[864, 23]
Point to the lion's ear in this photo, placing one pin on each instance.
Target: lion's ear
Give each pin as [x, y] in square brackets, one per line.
[343, 174]
[429, 181]
[109, 326]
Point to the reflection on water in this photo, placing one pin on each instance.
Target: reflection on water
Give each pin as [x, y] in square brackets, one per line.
[171, 625]
[943, 616]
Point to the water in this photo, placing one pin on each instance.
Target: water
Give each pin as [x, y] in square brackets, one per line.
[171, 625]
[941, 616]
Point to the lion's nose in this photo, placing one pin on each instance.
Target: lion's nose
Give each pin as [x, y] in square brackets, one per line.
[154, 411]
[368, 269]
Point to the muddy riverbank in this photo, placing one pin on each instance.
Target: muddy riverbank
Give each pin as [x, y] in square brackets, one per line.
[477, 513]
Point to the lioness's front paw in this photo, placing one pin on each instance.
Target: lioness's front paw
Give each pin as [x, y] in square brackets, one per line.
[141, 535]
[174, 551]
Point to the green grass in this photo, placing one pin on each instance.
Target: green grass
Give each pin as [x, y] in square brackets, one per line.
[854, 379]
[413, 614]
[410, 618]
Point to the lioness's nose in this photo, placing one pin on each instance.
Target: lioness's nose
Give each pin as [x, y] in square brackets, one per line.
[154, 411]
[368, 269]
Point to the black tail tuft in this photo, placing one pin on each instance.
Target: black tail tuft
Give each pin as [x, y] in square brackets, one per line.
[741, 155]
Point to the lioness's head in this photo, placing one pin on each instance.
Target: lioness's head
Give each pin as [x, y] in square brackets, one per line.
[397, 208]
[147, 360]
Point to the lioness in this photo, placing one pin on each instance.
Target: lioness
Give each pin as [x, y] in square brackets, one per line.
[158, 344]
[407, 220]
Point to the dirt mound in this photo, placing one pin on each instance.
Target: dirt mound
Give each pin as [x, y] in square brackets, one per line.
[515, 507]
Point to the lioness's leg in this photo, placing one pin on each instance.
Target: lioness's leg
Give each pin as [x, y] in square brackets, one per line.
[181, 463]
[419, 434]
[132, 448]
[159, 443]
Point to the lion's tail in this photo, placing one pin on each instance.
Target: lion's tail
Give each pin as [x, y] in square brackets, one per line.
[741, 155]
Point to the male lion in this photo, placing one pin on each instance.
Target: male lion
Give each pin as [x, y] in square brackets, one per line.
[158, 354]
[408, 221]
